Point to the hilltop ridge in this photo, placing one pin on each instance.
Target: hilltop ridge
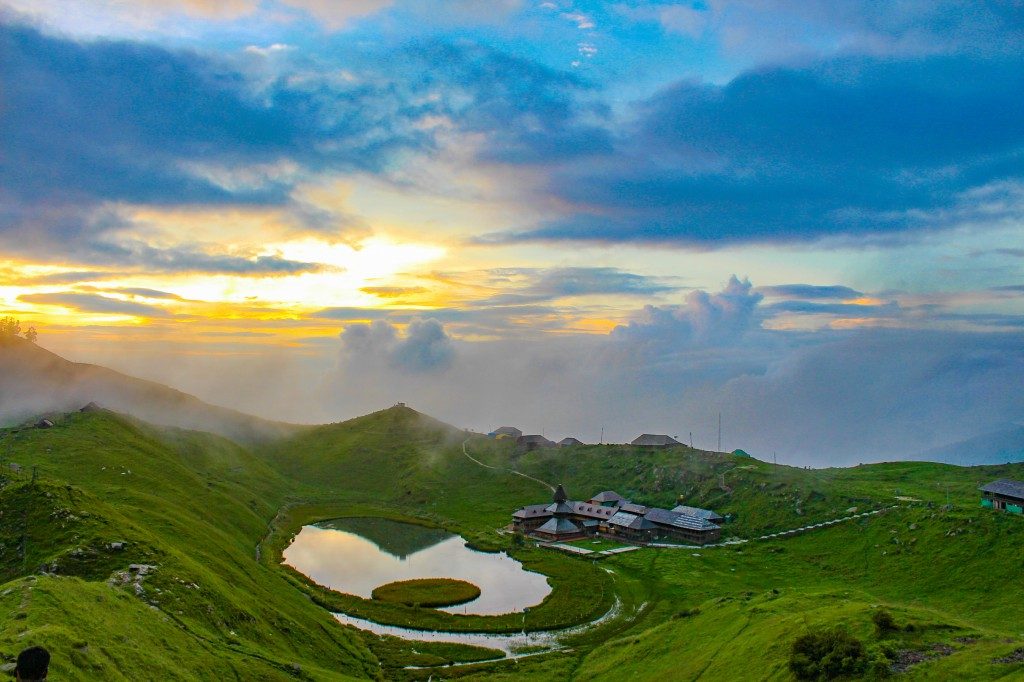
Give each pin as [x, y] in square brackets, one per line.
[34, 380]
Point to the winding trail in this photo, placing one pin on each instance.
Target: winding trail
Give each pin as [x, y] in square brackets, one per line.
[473, 459]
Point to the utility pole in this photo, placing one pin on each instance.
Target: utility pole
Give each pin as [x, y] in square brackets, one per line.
[601, 442]
[691, 440]
[719, 431]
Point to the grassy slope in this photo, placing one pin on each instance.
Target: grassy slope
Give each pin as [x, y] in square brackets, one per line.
[196, 505]
[941, 575]
[951, 573]
[398, 462]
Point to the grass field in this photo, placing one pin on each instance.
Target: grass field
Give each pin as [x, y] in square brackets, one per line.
[596, 544]
[427, 592]
[204, 520]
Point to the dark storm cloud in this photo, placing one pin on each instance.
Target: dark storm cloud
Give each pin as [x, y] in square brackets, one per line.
[851, 146]
[122, 120]
[88, 124]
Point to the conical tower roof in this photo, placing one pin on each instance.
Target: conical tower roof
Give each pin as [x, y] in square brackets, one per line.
[560, 495]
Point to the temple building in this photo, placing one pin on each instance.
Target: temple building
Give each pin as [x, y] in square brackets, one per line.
[611, 515]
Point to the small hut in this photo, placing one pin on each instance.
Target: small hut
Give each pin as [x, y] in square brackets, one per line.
[1004, 494]
[655, 440]
[569, 442]
[533, 442]
[506, 432]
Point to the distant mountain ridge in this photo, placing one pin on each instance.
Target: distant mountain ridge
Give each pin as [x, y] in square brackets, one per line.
[34, 381]
[997, 447]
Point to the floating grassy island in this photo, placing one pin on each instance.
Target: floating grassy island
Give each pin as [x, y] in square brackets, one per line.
[428, 593]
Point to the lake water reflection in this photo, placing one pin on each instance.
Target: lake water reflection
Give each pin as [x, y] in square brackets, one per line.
[356, 555]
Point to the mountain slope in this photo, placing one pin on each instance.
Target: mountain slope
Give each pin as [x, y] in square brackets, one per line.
[146, 537]
[34, 381]
[998, 447]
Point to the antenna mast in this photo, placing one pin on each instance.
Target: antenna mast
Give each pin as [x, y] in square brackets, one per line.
[719, 431]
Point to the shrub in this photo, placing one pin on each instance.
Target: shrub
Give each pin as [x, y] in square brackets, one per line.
[827, 655]
[884, 622]
[686, 613]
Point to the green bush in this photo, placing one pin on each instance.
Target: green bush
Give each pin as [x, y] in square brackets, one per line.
[884, 622]
[827, 655]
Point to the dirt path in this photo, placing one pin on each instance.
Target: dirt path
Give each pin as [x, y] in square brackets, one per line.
[510, 471]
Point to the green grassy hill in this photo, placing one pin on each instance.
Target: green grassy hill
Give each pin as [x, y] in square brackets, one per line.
[190, 505]
[196, 507]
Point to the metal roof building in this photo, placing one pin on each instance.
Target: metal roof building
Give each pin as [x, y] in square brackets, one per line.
[713, 517]
[1005, 494]
[655, 440]
[533, 442]
[608, 497]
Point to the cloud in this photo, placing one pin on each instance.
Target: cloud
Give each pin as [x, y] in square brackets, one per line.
[571, 282]
[877, 395]
[424, 347]
[525, 112]
[362, 339]
[582, 21]
[850, 147]
[890, 309]
[145, 293]
[393, 292]
[810, 291]
[776, 29]
[346, 314]
[91, 128]
[705, 319]
[337, 15]
[93, 303]
[67, 277]
[187, 259]
[589, 281]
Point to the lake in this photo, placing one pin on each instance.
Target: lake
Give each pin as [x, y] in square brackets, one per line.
[355, 555]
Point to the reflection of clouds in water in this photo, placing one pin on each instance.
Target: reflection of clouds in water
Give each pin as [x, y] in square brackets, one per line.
[352, 564]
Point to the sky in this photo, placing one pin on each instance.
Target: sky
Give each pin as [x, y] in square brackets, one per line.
[574, 217]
